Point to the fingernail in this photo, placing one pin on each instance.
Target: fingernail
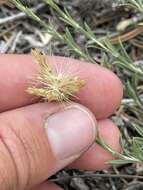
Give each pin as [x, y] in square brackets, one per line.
[70, 132]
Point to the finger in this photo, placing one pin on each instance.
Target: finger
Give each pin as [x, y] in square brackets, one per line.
[96, 158]
[36, 141]
[47, 186]
[102, 93]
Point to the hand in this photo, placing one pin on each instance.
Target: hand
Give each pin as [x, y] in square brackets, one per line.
[38, 139]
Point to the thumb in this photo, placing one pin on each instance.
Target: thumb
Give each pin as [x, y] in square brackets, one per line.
[38, 140]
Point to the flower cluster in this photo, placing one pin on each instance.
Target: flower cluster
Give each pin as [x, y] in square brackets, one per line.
[52, 85]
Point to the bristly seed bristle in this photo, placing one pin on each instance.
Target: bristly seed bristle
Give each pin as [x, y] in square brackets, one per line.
[52, 85]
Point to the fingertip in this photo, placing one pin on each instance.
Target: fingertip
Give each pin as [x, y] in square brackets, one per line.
[97, 158]
[106, 91]
[115, 92]
[103, 91]
[110, 133]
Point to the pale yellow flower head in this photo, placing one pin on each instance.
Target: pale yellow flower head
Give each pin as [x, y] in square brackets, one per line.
[52, 85]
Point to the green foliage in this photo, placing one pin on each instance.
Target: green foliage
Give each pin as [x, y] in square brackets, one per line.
[135, 4]
[132, 103]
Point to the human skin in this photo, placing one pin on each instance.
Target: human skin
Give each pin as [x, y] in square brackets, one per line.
[29, 154]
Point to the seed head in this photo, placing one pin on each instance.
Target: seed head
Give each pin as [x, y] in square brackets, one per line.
[52, 85]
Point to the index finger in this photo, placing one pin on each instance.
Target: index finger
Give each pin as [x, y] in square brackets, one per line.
[102, 93]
